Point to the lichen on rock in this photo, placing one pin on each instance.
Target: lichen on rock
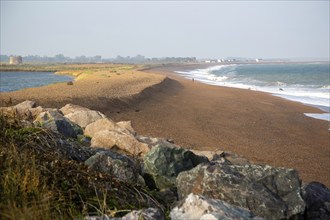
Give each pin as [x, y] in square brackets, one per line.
[164, 163]
[272, 193]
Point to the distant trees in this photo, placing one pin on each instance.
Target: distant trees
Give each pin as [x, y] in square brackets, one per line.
[138, 59]
[59, 58]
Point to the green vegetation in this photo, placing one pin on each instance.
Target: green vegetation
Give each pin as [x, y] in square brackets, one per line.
[36, 67]
[32, 67]
[82, 71]
[38, 180]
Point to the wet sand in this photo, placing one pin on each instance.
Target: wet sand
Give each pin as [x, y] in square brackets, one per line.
[263, 128]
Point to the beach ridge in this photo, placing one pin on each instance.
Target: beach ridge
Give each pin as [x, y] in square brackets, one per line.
[263, 128]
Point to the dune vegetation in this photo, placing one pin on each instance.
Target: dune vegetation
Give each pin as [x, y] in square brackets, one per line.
[72, 69]
[40, 180]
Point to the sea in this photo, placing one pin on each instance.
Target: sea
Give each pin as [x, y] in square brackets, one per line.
[308, 83]
[12, 81]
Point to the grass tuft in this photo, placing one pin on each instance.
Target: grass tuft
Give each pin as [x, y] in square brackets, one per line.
[39, 180]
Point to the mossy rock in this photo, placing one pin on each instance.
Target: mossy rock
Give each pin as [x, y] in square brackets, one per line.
[164, 163]
[56, 122]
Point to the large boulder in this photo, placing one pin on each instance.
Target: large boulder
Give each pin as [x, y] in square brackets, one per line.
[26, 110]
[126, 125]
[100, 125]
[152, 142]
[207, 153]
[117, 165]
[231, 157]
[199, 207]
[71, 108]
[317, 199]
[164, 163]
[272, 193]
[220, 156]
[26, 105]
[84, 118]
[55, 121]
[120, 142]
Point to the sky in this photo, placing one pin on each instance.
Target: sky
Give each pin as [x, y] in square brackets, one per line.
[202, 29]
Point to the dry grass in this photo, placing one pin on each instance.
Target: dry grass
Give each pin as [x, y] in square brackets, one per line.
[80, 68]
[79, 71]
[39, 181]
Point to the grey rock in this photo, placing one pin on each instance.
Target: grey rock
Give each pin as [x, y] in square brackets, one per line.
[71, 108]
[221, 156]
[49, 114]
[317, 199]
[231, 157]
[26, 110]
[100, 125]
[103, 217]
[120, 142]
[207, 153]
[127, 125]
[145, 214]
[26, 105]
[117, 165]
[272, 193]
[84, 118]
[56, 122]
[164, 163]
[36, 111]
[199, 207]
[154, 141]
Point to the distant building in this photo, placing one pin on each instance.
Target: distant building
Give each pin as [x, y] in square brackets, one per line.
[15, 60]
[211, 61]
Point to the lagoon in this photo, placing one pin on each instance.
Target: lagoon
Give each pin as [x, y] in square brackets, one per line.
[13, 81]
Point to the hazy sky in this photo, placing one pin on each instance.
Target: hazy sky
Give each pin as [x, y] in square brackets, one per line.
[215, 29]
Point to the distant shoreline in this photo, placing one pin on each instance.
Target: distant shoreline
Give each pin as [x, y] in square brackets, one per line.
[265, 128]
[54, 67]
[187, 75]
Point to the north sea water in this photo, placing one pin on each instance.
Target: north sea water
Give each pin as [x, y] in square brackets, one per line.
[308, 83]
